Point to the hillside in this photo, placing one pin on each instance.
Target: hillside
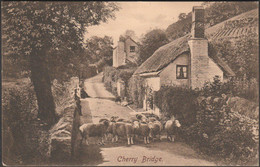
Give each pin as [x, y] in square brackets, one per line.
[215, 13]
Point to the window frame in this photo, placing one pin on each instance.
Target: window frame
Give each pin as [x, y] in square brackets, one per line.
[133, 49]
[181, 66]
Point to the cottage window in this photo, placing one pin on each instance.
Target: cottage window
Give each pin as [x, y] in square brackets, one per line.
[182, 72]
[132, 48]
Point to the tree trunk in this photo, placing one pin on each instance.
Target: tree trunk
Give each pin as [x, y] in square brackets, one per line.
[42, 86]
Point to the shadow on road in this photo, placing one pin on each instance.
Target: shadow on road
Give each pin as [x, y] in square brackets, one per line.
[90, 155]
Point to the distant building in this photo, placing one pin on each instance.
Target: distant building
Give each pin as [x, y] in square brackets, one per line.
[127, 51]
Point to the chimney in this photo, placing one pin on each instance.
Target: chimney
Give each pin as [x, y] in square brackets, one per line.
[199, 60]
[197, 29]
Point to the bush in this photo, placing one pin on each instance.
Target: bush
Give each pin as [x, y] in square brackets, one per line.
[178, 101]
[220, 130]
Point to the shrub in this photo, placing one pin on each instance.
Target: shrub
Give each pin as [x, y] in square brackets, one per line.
[235, 138]
[219, 130]
[178, 101]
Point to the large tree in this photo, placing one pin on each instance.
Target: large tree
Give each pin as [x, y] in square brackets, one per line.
[37, 30]
[150, 42]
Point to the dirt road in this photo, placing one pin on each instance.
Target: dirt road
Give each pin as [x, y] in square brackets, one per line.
[156, 153]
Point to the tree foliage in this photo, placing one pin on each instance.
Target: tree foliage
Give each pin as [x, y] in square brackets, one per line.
[98, 48]
[46, 34]
[179, 28]
[217, 12]
[182, 16]
[151, 42]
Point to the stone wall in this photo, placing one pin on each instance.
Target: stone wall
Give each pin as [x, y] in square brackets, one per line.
[61, 134]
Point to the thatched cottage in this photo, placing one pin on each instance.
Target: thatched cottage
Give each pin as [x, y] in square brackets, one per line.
[127, 51]
[186, 60]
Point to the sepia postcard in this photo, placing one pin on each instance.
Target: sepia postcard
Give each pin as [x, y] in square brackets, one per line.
[107, 83]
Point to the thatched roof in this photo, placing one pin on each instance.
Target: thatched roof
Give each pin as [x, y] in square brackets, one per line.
[231, 28]
[164, 55]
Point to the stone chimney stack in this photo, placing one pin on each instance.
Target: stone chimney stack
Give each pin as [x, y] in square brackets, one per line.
[199, 60]
[197, 30]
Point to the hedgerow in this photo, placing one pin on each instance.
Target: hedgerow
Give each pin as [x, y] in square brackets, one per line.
[22, 130]
[25, 137]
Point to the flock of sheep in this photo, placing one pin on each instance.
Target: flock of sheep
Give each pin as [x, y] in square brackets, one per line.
[140, 126]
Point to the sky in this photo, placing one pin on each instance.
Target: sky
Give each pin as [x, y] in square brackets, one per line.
[141, 17]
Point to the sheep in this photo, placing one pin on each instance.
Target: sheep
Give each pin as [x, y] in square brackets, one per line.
[114, 118]
[117, 119]
[155, 129]
[141, 117]
[150, 115]
[94, 130]
[143, 130]
[121, 129]
[103, 120]
[170, 127]
[122, 120]
[152, 119]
